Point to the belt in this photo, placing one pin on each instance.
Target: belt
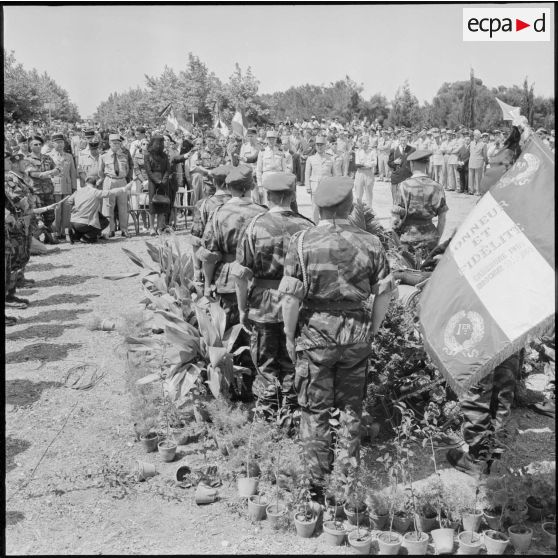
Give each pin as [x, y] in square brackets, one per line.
[228, 258]
[266, 283]
[414, 221]
[327, 306]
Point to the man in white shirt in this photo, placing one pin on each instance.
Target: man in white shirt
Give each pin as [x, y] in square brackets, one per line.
[365, 162]
[317, 166]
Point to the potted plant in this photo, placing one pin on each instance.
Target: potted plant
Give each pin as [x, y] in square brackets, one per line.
[469, 542]
[542, 496]
[248, 485]
[471, 514]
[497, 499]
[516, 512]
[549, 533]
[426, 515]
[495, 541]
[305, 514]
[257, 504]
[403, 511]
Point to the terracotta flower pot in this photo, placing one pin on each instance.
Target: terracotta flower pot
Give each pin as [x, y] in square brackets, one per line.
[426, 524]
[492, 518]
[352, 515]
[360, 540]
[389, 543]
[415, 543]
[305, 527]
[472, 521]
[549, 534]
[205, 495]
[144, 470]
[167, 449]
[274, 514]
[378, 522]
[333, 535]
[335, 510]
[256, 507]
[443, 540]
[469, 542]
[247, 486]
[149, 441]
[535, 510]
[401, 523]
[495, 542]
[520, 537]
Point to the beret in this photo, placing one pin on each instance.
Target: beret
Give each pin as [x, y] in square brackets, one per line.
[57, 137]
[419, 155]
[240, 177]
[332, 190]
[221, 172]
[115, 137]
[89, 133]
[271, 134]
[37, 138]
[278, 181]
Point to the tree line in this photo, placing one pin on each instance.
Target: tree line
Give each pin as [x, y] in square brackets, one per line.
[27, 92]
[197, 91]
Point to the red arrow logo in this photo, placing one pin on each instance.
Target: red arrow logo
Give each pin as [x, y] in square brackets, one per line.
[519, 25]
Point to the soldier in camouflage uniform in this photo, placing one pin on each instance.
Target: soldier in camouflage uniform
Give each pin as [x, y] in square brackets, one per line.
[216, 195]
[209, 158]
[220, 239]
[417, 201]
[332, 269]
[486, 408]
[19, 203]
[260, 256]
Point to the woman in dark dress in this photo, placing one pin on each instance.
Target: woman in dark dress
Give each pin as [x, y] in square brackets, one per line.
[157, 167]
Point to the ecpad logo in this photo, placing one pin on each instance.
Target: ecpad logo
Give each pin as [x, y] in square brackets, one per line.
[506, 24]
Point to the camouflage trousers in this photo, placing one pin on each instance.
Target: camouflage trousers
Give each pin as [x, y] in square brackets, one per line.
[326, 378]
[274, 382]
[487, 406]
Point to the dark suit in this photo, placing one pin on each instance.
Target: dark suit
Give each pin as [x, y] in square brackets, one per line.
[463, 155]
[400, 171]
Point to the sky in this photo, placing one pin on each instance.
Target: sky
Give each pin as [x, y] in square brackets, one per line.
[92, 51]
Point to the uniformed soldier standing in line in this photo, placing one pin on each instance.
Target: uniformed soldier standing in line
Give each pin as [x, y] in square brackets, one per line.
[271, 159]
[216, 195]
[317, 166]
[417, 201]
[260, 257]
[115, 172]
[220, 239]
[332, 269]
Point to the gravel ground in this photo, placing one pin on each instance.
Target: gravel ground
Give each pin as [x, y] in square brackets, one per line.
[67, 506]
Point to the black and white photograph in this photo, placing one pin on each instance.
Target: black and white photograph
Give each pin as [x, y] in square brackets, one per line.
[279, 278]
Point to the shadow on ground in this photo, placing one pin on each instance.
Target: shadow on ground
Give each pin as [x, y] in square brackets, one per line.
[27, 292]
[42, 331]
[14, 517]
[45, 352]
[13, 447]
[63, 281]
[46, 266]
[64, 299]
[54, 315]
[24, 392]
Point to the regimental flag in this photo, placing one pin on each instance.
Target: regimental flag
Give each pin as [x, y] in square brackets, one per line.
[239, 123]
[494, 288]
[174, 122]
[219, 125]
[510, 113]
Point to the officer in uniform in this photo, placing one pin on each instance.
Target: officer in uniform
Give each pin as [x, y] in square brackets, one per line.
[317, 166]
[260, 257]
[216, 195]
[115, 171]
[271, 159]
[330, 272]
[88, 162]
[209, 158]
[417, 201]
[220, 239]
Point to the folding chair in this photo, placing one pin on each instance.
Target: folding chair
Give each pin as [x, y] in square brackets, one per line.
[135, 209]
[181, 205]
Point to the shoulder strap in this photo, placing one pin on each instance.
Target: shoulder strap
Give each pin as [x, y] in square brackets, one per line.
[250, 232]
[300, 250]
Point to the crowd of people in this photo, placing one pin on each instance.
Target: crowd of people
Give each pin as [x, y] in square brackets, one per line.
[300, 286]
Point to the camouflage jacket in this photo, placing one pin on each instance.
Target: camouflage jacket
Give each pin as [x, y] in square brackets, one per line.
[260, 254]
[417, 201]
[203, 209]
[222, 233]
[40, 163]
[333, 270]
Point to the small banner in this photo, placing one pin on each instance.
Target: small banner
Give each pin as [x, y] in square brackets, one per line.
[495, 285]
[239, 123]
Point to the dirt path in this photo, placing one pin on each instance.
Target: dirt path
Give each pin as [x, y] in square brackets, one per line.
[68, 507]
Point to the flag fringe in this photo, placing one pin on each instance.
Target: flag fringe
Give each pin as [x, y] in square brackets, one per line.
[489, 365]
